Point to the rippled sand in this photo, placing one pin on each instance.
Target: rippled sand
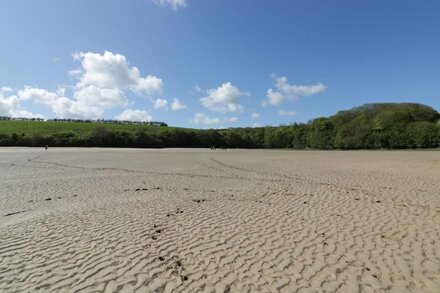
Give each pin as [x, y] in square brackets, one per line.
[111, 220]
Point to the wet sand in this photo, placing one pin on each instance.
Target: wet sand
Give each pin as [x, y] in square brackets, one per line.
[131, 220]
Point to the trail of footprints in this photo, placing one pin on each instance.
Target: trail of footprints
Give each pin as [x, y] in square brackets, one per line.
[32, 201]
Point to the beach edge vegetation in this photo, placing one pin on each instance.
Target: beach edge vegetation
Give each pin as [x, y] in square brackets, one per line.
[371, 126]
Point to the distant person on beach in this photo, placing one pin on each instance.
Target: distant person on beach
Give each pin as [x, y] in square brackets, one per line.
[46, 147]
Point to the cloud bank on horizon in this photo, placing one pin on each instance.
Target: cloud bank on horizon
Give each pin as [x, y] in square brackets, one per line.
[105, 82]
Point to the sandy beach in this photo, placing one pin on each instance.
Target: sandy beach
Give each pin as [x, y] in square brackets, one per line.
[187, 220]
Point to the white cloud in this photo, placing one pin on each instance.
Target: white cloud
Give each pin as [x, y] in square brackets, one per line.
[75, 73]
[160, 104]
[176, 105]
[62, 107]
[197, 89]
[283, 112]
[287, 92]
[174, 4]
[10, 106]
[106, 98]
[134, 115]
[150, 85]
[231, 119]
[256, 124]
[103, 81]
[301, 90]
[223, 99]
[113, 71]
[5, 89]
[255, 115]
[200, 118]
[275, 98]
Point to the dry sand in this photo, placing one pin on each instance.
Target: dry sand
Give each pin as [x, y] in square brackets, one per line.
[111, 220]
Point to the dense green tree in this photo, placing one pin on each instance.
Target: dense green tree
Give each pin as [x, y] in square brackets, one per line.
[355, 134]
[62, 139]
[210, 137]
[282, 137]
[268, 137]
[14, 138]
[299, 133]
[423, 134]
[38, 140]
[233, 139]
[397, 137]
[321, 134]
[145, 140]
[5, 140]
[101, 137]
[256, 136]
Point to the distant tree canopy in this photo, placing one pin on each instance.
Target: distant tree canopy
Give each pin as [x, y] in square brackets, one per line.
[386, 125]
[372, 126]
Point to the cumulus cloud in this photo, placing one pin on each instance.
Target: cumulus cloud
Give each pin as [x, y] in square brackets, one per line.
[283, 112]
[10, 106]
[275, 98]
[286, 92]
[149, 85]
[174, 4]
[223, 99]
[160, 104]
[106, 98]
[88, 102]
[102, 83]
[113, 71]
[74, 73]
[134, 115]
[61, 106]
[176, 105]
[200, 118]
[5, 89]
[255, 115]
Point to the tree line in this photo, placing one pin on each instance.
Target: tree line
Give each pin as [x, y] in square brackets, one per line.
[110, 121]
[100, 121]
[372, 126]
[7, 118]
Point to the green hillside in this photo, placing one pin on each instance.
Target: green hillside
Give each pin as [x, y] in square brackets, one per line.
[81, 129]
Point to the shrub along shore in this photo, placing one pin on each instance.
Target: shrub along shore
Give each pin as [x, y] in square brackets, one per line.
[372, 126]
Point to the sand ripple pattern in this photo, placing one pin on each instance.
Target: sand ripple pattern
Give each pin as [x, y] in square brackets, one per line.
[91, 220]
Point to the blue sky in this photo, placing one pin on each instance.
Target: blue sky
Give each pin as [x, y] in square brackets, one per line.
[222, 63]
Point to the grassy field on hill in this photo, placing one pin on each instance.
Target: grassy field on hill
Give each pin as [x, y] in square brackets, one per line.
[48, 128]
